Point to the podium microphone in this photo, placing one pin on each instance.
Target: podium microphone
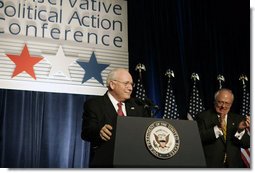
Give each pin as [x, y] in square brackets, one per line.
[151, 104]
[147, 103]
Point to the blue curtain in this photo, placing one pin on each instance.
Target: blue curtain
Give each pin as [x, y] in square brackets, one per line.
[41, 130]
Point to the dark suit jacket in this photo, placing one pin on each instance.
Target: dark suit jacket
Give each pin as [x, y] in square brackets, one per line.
[215, 149]
[98, 112]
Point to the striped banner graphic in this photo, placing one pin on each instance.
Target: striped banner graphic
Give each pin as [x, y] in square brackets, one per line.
[76, 65]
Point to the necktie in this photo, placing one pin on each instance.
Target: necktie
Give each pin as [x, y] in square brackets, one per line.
[223, 127]
[119, 111]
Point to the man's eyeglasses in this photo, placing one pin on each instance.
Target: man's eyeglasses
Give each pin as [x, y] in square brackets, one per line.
[221, 103]
[126, 83]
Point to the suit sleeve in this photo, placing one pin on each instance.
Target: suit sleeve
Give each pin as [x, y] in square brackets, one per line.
[91, 123]
[245, 140]
[206, 128]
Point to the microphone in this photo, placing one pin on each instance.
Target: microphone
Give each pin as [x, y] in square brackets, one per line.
[141, 102]
[147, 103]
[151, 104]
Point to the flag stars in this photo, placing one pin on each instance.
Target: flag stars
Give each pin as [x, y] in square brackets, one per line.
[195, 103]
[245, 108]
[170, 111]
[140, 91]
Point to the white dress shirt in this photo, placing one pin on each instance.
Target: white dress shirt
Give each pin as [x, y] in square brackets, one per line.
[115, 104]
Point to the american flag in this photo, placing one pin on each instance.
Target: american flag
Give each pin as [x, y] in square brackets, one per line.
[245, 106]
[140, 91]
[170, 110]
[195, 102]
[245, 110]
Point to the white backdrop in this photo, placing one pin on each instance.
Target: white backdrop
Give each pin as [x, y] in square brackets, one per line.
[76, 43]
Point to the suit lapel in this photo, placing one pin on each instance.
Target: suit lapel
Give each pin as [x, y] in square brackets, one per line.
[110, 112]
[130, 108]
[231, 124]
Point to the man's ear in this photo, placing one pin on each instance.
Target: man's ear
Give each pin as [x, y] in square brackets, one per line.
[111, 85]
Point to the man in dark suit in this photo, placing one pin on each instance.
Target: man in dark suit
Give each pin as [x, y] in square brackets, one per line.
[100, 114]
[223, 133]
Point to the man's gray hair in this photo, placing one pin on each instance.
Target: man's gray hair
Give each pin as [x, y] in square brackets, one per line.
[112, 75]
[221, 90]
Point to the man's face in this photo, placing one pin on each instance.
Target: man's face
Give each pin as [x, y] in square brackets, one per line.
[122, 86]
[223, 102]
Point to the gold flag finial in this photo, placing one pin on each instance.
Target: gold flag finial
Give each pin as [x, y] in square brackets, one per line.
[169, 73]
[243, 78]
[140, 67]
[194, 76]
[221, 79]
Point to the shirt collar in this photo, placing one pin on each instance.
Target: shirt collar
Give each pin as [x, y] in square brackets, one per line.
[226, 117]
[113, 100]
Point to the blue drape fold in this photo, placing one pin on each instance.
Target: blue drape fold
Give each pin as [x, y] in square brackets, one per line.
[42, 130]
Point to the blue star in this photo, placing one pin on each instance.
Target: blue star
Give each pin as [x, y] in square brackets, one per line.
[92, 69]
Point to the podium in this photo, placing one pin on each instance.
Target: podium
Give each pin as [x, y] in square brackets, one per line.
[131, 149]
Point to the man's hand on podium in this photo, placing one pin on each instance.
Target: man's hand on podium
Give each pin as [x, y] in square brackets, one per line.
[105, 132]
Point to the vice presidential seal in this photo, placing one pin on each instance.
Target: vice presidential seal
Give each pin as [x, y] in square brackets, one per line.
[162, 139]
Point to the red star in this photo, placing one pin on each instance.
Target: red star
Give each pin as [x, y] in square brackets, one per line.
[24, 62]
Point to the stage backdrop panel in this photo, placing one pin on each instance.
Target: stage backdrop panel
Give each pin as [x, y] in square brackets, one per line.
[65, 46]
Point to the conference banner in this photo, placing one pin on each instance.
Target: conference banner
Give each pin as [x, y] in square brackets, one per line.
[64, 46]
